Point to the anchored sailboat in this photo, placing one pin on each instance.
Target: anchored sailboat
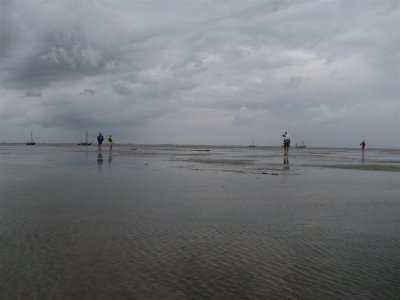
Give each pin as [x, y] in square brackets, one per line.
[31, 142]
[253, 145]
[85, 143]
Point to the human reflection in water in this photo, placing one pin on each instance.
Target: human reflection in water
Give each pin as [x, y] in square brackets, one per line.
[110, 158]
[362, 157]
[100, 158]
[99, 162]
[286, 163]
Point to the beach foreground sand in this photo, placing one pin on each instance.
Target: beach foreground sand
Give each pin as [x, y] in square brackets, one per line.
[191, 222]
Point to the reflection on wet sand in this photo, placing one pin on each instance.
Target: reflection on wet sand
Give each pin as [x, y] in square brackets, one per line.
[286, 166]
[100, 157]
[286, 162]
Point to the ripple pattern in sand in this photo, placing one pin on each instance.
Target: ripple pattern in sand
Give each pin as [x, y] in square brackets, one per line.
[181, 234]
[161, 254]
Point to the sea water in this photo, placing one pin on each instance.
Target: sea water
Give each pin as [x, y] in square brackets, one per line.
[171, 222]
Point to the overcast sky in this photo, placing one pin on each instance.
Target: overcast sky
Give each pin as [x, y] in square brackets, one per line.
[201, 72]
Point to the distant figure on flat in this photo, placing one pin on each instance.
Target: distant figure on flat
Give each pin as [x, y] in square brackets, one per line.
[100, 139]
[110, 141]
[286, 143]
[362, 145]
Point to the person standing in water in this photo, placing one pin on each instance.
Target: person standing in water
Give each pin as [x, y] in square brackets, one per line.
[286, 143]
[110, 141]
[362, 145]
[100, 139]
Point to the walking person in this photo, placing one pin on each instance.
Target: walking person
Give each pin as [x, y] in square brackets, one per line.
[286, 143]
[100, 139]
[110, 141]
[362, 145]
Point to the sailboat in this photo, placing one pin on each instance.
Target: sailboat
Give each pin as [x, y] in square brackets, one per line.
[253, 145]
[85, 143]
[31, 143]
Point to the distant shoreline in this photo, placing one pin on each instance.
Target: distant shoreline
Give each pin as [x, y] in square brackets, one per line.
[94, 145]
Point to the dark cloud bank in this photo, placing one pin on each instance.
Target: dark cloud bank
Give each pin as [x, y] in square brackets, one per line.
[201, 72]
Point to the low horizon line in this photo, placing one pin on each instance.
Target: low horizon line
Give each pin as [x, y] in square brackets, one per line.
[198, 145]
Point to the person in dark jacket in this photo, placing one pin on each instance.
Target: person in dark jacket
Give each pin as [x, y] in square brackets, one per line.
[100, 139]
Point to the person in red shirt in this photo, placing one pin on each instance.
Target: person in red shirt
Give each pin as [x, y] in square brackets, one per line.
[362, 145]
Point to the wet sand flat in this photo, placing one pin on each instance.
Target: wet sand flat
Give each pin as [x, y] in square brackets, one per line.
[198, 222]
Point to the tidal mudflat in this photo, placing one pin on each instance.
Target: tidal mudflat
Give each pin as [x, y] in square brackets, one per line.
[198, 222]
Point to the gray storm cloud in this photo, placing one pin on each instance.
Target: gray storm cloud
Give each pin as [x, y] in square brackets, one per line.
[201, 71]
